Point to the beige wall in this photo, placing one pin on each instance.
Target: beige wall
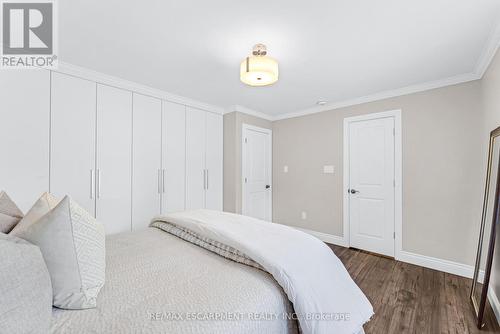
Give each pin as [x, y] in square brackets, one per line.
[442, 169]
[232, 156]
[444, 157]
[491, 103]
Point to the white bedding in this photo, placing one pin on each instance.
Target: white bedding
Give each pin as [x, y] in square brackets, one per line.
[151, 275]
[323, 294]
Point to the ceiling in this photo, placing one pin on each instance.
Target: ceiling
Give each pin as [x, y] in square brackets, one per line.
[329, 50]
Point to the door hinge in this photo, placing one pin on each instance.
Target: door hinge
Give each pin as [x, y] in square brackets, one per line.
[393, 131]
[246, 180]
[246, 140]
[394, 235]
[394, 183]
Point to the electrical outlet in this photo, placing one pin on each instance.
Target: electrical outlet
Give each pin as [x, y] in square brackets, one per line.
[304, 215]
[285, 169]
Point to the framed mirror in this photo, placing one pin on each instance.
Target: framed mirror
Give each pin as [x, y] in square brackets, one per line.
[488, 231]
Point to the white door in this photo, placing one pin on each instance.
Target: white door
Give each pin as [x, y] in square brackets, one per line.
[195, 158]
[371, 185]
[257, 172]
[114, 158]
[73, 130]
[214, 160]
[174, 157]
[146, 169]
[24, 135]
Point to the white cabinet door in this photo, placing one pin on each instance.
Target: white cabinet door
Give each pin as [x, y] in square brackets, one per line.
[174, 157]
[73, 129]
[214, 151]
[195, 158]
[146, 190]
[24, 134]
[114, 158]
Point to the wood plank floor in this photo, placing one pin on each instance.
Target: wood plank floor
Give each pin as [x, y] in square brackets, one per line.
[412, 299]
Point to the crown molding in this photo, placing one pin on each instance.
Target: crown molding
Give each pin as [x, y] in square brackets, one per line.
[383, 95]
[488, 52]
[84, 73]
[482, 65]
[248, 111]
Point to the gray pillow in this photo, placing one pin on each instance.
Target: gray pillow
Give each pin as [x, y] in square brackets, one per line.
[25, 288]
[72, 243]
[10, 214]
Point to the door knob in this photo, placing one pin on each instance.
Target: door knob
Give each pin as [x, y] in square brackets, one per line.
[353, 191]
[268, 186]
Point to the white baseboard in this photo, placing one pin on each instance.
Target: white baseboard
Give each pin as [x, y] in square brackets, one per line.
[437, 264]
[495, 303]
[446, 266]
[325, 237]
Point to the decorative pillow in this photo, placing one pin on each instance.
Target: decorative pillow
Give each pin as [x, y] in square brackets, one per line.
[25, 289]
[10, 214]
[72, 243]
[41, 207]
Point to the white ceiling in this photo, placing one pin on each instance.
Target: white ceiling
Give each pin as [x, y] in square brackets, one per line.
[329, 50]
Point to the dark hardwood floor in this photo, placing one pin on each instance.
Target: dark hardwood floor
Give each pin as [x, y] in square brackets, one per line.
[412, 299]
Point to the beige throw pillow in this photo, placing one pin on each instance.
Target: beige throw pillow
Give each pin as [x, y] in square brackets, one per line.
[41, 207]
[10, 214]
[72, 243]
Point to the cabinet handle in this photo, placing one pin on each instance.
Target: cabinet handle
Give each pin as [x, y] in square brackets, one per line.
[204, 179]
[207, 179]
[98, 183]
[92, 182]
[163, 179]
[159, 181]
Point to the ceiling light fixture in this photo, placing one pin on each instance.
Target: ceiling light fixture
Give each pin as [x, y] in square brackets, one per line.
[259, 69]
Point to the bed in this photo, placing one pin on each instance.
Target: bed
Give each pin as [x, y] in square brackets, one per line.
[156, 281]
[196, 271]
[206, 271]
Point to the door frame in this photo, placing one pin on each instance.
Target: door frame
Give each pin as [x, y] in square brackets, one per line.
[398, 176]
[245, 126]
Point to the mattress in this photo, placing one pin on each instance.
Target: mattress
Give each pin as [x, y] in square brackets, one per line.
[158, 283]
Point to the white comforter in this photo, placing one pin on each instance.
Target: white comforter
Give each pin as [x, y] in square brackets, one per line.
[323, 294]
